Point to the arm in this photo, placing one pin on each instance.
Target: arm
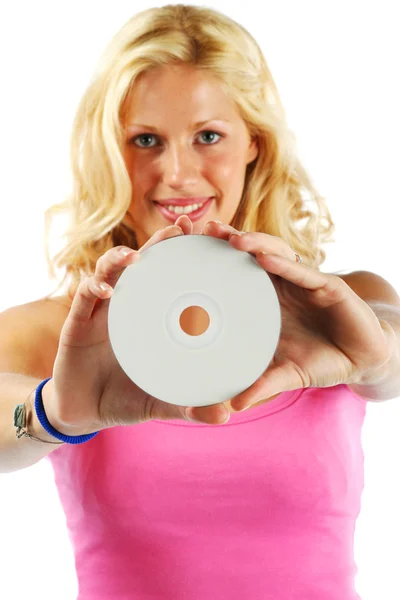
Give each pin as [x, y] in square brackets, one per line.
[385, 384]
[20, 453]
[383, 299]
[21, 371]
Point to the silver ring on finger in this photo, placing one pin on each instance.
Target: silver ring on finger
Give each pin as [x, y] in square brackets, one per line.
[298, 258]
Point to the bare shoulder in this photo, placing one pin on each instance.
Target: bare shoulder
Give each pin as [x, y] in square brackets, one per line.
[371, 287]
[29, 335]
[42, 314]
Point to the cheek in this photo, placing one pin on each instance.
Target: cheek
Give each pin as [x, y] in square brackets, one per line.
[141, 173]
[228, 167]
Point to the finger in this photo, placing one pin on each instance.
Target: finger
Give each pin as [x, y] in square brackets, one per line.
[303, 276]
[87, 295]
[109, 268]
[249, 241]
[184, 222]
[90, 290]
[255, 242]
[111, 264]
[162, 234]
[219, 230]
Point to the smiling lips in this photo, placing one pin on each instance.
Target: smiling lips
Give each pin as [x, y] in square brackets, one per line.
[195, 207]
[183, 201]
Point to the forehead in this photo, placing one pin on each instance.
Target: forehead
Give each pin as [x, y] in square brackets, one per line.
[176, 89]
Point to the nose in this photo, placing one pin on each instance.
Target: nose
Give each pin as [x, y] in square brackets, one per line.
[180, 166]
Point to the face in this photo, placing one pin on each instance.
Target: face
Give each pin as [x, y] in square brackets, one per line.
[185, 140]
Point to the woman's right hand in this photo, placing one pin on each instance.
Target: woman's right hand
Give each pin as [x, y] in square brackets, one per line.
[89, 391]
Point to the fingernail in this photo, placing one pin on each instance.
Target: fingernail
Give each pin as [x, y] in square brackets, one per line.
[226, 415]
[105, 287]
[190, 416]
[242, 409]
[125, 251]
[180, 216]
[213, 221]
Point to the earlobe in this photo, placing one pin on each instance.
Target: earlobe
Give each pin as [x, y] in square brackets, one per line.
[253, 151]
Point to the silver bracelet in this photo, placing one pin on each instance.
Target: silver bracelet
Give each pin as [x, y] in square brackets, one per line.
[20, 424]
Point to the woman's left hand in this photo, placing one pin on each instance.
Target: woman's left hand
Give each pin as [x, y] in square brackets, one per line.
[329, 335]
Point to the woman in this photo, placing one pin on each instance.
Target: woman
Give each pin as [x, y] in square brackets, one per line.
[183, 109]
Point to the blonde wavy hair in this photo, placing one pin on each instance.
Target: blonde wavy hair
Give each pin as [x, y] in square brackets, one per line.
[277, 186]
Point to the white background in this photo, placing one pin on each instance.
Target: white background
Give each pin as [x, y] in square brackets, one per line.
[336, 67]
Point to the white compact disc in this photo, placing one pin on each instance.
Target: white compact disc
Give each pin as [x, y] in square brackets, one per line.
[194, 370]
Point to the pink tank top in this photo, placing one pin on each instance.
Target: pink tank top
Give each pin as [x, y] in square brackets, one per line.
[262, 508]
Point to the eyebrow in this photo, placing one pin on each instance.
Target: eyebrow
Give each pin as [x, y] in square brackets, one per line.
[195, 125]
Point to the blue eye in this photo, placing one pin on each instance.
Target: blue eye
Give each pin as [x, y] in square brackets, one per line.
[214, 133]
[144, 136]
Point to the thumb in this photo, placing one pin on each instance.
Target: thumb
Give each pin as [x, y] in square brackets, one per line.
[212, 414]
[276, 380]
[215, 414]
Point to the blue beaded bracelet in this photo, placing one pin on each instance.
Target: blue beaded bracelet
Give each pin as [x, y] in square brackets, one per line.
[69, 439]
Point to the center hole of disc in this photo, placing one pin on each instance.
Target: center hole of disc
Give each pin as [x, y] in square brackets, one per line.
[194, 320]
